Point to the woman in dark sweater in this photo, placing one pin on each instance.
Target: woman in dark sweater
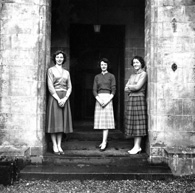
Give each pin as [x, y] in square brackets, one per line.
[104, 89]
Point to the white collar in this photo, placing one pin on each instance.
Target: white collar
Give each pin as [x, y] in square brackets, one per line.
[105, 72]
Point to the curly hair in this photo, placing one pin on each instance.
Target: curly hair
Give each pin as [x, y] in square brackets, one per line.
[56, 53]
[104, 60]
[140, 59]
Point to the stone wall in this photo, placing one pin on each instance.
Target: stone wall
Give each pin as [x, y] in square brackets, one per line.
[24, 56]
[134, 42]
[170, 56]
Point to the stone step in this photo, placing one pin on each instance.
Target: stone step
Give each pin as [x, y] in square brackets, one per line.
[100, 172]
[83, 160]
[87, 152]
[91, 134]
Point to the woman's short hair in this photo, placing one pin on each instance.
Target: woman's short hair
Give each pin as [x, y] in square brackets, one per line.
[140, 59]
[57, 53]
[106, 61]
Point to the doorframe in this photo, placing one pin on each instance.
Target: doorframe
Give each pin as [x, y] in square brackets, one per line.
[67, 51]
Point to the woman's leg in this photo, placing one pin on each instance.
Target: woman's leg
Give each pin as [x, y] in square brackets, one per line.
[137, 142]
[59, 141]
[54, 142]
[137, 146]
[104, 139]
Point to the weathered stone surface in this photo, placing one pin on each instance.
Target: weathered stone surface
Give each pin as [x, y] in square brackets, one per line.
[25, 30]
[180, 160]
[173, 93]
[12, 151]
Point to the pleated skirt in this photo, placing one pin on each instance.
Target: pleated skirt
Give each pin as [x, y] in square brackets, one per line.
[104, 116]
[136, 117]
[59, 119]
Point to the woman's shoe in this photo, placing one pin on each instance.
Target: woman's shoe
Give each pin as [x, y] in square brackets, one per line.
[99, 146]
[61, 152]
[55, 151]
[135, 151]
[103, 147]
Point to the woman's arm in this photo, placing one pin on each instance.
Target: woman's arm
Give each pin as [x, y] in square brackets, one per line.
[127, 86]
[139, 84]
[51, 88]
[113, 91]
[95, 90]
[69, 86]
[69, 90]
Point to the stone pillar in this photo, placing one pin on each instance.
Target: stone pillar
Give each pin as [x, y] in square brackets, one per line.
[24, 57]
[170, 56]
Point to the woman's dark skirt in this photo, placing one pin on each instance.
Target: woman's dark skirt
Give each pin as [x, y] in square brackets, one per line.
[136, 117]
[59, 119]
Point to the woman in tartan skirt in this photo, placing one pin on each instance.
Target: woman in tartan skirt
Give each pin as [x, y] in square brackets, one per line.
[104, 88]
[136, 115]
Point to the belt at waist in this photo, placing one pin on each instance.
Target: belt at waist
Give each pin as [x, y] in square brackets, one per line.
[103, 91]
[136, 94]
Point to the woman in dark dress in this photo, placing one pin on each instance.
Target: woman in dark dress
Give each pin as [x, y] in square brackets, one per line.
[59, 118]
[136, 115]
[104, 89]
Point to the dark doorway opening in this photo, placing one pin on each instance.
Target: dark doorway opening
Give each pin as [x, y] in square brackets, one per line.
[86, 48]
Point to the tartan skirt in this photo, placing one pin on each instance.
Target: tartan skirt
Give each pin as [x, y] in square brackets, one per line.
[59, 119]
[104, 116]
[136, 117]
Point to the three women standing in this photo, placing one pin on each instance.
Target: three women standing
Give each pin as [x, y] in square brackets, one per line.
[104, 89]
[136, 116]
[59, 118]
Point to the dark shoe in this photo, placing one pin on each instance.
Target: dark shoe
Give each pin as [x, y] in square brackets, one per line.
[98, 146]
[103, 149]
[56, 153]
[61, 152]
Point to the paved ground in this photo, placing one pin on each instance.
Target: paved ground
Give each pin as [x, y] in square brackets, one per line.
[178, 185]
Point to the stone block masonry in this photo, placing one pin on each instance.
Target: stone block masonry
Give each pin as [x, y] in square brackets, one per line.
[170, 40]
[24, 54]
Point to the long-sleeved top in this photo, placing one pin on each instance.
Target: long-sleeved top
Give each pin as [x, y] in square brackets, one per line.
[104, 83]
[59, 81]
[136, 84]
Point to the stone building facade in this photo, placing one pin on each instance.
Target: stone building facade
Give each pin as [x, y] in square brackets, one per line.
[162, 31]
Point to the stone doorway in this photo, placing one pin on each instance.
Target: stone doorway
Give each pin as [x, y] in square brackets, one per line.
[86, 48]
[121, 37]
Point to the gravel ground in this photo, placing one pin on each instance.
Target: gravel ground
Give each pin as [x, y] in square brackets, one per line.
[178, 185]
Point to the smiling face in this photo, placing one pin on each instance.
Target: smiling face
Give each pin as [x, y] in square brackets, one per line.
[59, 59]
[136, 64]
[104, 66]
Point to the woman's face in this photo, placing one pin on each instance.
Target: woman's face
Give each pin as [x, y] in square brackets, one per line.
[136, 64]
[59, 59]
[104, 66]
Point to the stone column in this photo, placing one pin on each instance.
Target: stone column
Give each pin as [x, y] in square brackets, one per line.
[24, 57]
[170, 56]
